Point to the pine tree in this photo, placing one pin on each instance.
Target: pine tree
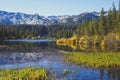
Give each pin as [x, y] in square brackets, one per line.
[86, 23]
[90, 30]
[101, 23]
[118, 19]
[94, 27]
[114, 14]
[109, 22]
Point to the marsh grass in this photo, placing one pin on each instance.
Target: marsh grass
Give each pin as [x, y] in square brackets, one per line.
[29, 73]
[93, 59]
[32, 73]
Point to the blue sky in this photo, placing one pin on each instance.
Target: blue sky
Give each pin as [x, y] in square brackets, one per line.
[56, 7]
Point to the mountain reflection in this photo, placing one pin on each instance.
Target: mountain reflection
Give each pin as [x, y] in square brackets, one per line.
[22, 57]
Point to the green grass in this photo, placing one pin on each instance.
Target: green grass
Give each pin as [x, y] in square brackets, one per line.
[94, 59]
[29, 73]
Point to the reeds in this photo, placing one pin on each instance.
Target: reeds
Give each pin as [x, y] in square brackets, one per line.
[29, 73]
[94, 59]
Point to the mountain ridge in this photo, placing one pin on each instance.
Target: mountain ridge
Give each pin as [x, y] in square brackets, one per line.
[36, 19]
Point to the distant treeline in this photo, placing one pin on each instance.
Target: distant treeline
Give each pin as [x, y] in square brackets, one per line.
[30, 31]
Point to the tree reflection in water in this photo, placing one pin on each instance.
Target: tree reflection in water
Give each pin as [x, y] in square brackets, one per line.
[110, 72]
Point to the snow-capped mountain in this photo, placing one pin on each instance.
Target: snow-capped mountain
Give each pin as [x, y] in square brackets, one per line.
[36, 19]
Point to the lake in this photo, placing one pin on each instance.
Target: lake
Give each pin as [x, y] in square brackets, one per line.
[23, 53]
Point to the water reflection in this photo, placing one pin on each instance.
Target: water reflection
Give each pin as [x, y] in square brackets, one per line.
[47, 54]
[113, 73]
[91, 48]
[29, 46]
[25, 47]
[23, 57]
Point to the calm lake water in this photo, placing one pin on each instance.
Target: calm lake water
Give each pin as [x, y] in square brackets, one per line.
[24, 53]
